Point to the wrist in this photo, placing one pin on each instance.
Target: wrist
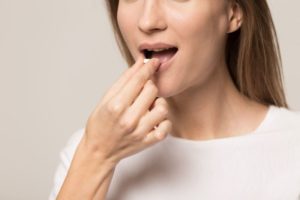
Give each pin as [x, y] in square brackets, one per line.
[87, 172]
[91, 154]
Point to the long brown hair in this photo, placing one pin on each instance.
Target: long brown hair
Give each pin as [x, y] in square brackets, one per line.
[252, 53]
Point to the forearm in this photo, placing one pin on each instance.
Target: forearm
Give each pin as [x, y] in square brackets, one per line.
[103, 189]
[88, 176]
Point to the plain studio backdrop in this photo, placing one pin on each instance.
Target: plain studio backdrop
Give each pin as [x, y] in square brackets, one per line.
[57, 58]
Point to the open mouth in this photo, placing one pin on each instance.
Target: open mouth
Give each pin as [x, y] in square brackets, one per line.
[162, 54]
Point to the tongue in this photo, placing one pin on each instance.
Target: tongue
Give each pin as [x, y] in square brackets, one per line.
[164, 56]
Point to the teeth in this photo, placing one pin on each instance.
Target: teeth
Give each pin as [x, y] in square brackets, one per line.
[158, 50]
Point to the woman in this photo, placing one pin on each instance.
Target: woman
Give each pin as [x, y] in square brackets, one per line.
[211, 98]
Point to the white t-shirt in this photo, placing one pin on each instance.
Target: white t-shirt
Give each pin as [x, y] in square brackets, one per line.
[261, 165]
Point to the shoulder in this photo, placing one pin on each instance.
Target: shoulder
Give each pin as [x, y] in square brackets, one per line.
[287, 118]
[284, 123]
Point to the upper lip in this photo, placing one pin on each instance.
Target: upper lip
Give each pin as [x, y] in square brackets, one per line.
[153, 46]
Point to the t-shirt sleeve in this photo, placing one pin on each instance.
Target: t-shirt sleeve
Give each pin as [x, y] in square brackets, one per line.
[65, 158]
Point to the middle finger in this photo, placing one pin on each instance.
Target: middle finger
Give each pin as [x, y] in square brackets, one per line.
[133, 87]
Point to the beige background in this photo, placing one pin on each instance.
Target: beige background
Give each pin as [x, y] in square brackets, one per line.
[57, 57]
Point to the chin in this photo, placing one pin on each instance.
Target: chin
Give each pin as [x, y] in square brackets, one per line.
[167, 90]
[164, 90]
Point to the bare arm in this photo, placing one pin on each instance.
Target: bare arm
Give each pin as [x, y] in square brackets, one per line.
[88, 177]
[103, 189]
[122, 124]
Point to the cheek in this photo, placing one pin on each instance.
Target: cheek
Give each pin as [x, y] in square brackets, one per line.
[204, 27]
[202, 43]
[123, 22]
[126, 25]
[203, 37]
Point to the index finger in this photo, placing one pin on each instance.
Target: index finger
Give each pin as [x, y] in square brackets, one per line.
[133, 87]
[126, 75]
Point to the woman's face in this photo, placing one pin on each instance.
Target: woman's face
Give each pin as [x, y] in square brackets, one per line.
[197, 28]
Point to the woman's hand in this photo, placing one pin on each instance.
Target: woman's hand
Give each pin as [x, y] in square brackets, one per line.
[122, 124]
[129, 117]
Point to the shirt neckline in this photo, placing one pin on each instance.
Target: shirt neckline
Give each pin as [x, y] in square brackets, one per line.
[268, 117]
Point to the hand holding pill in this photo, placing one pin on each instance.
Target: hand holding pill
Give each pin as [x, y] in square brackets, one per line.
[130, 116]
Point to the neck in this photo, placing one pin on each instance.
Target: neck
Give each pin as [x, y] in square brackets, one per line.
[214, 110]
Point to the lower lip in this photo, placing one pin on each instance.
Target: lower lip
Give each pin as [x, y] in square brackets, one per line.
[166, 65]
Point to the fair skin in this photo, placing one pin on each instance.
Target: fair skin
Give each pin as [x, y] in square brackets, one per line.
[203, 101]
[197, 97]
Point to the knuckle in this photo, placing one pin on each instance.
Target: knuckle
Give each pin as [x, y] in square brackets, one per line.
[161, 136]
[114, 107]
[162, 101]
[142, 78]
[162, 110]
[170, 126]
[138, 133]
[153, 88]
[127, 124]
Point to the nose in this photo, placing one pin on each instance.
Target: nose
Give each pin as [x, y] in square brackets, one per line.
[152, 17]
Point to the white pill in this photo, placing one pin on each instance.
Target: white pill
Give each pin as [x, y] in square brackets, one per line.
[146, 60]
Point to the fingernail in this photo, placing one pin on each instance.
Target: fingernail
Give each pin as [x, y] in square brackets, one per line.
[156, 61]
